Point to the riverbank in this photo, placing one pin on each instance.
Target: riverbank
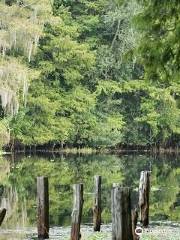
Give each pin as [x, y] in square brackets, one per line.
[88, 150]
[152, 233]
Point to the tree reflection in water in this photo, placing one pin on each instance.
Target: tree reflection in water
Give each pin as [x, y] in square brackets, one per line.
[18, 185]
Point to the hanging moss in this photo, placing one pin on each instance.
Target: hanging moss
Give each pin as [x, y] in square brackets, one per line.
[21, 25]
[13, 76]
[4, 133]
[20, 30]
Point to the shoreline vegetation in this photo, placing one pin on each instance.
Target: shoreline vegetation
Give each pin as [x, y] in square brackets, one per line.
[94, 73]
[89, 151]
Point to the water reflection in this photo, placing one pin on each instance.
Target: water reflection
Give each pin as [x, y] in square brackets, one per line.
[18, 185]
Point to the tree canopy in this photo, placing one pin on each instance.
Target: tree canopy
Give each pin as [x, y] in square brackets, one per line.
[90, 73]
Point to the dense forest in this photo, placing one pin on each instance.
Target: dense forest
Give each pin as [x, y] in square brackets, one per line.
[90, 73]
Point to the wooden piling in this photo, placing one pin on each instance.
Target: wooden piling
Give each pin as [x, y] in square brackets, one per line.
[121, 214]
[97, 204]
[134, 215]
[43, 207]
[77, 211]
[144, 190]
[2, 215]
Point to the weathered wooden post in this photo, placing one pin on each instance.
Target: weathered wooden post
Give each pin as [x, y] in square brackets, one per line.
[144, 190]
[121, 214]
[2, 215]
[77, 211]
[97, 204]
[43, 207]
[134, 215]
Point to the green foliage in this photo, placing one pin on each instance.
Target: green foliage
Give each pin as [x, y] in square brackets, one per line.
[158, 53]
[61, 109]
[104, 72]
[21, 25]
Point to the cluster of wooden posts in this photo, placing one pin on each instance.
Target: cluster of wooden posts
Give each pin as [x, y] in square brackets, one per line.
[124, 219]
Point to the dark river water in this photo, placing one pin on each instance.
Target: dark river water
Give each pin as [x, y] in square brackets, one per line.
[18, 189]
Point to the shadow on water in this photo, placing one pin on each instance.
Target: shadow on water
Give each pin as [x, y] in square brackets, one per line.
[18, 185]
